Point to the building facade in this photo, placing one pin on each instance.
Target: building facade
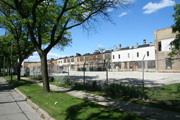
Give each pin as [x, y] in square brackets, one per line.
[155, 57]
[130, 58]
[164, 63]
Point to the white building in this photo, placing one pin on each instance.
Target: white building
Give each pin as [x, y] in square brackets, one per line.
[66, 63]
[131, 57]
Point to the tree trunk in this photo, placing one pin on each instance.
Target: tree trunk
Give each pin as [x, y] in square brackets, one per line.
[44, 70]
[19, 70]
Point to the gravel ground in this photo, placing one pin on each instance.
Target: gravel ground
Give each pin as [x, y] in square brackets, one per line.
[151, 79]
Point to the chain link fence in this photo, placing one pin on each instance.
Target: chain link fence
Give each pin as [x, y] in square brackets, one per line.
[159, 79]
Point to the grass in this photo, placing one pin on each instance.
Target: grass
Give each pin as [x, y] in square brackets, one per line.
[165, 97]
[68, 107]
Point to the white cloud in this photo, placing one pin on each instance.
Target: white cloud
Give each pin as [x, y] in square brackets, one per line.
[110, 9]
[35, 57]
[125, 2]
[153, 7]
[122, 14]
[132, 1]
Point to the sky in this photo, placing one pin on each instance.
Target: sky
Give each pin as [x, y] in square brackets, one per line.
[131, 25]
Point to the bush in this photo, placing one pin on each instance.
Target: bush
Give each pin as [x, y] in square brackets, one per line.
[39, 77]
[125, 90]
[88, 87]
[51, 79]
[67, 81]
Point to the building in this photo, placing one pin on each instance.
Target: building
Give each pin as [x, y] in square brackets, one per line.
[92, 62]
[130, 58]
[164, 63]
[153, 56]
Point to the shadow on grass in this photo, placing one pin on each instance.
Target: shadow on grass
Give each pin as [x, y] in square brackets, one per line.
[16, 84]
[97, 113]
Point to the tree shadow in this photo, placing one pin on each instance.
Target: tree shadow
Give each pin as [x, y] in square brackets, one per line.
[15, 84]
[91, 111]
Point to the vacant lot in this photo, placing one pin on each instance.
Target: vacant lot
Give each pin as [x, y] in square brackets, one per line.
[151, 79]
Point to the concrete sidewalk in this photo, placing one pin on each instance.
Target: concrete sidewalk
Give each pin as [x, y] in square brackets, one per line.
[13, 106]
[149, 113]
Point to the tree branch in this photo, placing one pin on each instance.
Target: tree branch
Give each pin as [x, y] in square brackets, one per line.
[57, 21]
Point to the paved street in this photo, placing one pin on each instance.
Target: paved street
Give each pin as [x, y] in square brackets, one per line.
[13, 106]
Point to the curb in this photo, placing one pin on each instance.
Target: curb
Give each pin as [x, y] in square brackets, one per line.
[43, 114]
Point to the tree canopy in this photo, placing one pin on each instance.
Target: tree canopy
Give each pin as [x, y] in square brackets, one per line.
[176, 29]
[10, 20]
[49, 21]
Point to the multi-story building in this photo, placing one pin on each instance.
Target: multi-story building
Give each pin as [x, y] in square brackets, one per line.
[155, 57]
[130, 58]
[164, 63]
[89, 61]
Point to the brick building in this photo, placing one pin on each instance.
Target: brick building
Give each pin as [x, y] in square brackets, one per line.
[164, 63]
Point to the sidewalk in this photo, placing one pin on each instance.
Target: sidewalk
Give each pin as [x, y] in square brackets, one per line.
[150, 113]
[13, 106]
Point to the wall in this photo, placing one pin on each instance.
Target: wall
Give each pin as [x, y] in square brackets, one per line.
[165, 36]
[133, 54]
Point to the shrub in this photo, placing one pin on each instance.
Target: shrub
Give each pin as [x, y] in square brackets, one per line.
[67, 81]
[39, 77]
[125, 90]
[51, 79]
[88, 87]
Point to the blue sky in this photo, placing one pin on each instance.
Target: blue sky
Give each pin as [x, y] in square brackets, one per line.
[131, 26]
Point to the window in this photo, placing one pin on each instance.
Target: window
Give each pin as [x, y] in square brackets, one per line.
[159, 46]
[128, 55]
[68, 60]
[125, 65]
[72, 59]
[151, 64]
[117, 64]
[137, 54]
[119, 56]
[147, 53]
[113, 57]
[130, 65]
[168, 63]
[81, 58]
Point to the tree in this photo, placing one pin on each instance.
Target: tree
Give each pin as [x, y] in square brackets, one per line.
[5, 52]
[175, 49]
[49, 22]
[10, 21]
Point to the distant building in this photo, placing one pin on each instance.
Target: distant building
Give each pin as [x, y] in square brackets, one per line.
[130, 58]
[155, 56]
[164, 63]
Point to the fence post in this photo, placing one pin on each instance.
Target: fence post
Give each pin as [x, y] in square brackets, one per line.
[143, 77]
[107, 76]
[68, 70]
[84, 72]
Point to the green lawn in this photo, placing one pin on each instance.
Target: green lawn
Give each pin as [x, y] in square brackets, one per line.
[68, 107]
[165, 97]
